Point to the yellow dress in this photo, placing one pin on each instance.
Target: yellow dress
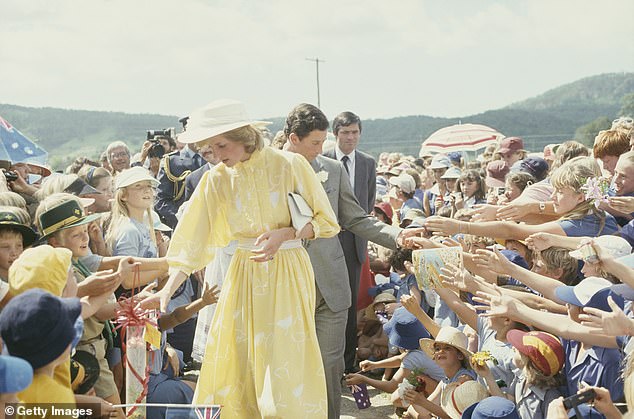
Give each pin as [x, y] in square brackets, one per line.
[262, 358]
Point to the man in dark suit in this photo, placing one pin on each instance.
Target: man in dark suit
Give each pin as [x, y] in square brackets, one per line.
[194, 178]
[361, 169]
[175, 167]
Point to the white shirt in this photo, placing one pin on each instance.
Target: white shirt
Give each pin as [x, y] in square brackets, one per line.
[351, 163]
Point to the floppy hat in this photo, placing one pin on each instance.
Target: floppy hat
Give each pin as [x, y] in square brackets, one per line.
[42, 267]
[511, 144]
[10, 219]
[616, 247]
[455, 156]
[457, 397]
[385, 208]
[496, 174]
[216, 118]
[440, 161]
[15, 374]
[449, 336]
[384, 297]
[580, 294]
[133, 175]
[84, 371]
[79, 187]
[452, 173]
[38, 327]
[65, 215]
[543, 349]
[404, 181]
[404, 330]
[493, 407]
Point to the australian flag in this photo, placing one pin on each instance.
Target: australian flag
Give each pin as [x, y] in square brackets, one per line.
[15, 147]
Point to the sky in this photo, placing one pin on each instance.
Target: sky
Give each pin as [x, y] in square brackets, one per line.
[382, 59]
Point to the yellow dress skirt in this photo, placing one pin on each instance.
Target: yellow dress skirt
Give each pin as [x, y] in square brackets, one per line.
[262, 358]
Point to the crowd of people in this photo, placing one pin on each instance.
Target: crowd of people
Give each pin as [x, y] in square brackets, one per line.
[281, 316]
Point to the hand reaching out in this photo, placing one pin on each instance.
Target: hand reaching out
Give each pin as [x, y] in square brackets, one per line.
[484, 212]
[496, 304]
[612, 323]
[492, 261]
[540, 241]
[624, 204]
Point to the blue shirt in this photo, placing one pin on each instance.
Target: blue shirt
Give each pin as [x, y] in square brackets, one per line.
[419, 359]
[134, 240]
[589, 226]
[598, 366]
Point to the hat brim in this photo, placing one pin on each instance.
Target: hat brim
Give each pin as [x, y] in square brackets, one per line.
[28, 235]
[624, 291]
[492, 182]
[19, 374]
[566, 294]
[438, 166]
[84, 220]
[427, 345]
[128, 182]
[195, 134]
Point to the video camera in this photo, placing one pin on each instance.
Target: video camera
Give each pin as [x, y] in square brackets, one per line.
[157, 150]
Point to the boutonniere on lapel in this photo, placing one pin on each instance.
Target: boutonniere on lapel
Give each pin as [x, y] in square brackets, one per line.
[322, 176]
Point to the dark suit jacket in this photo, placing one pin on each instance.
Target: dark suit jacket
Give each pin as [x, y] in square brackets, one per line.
[364, 190]
[192, 180]
[166, 206]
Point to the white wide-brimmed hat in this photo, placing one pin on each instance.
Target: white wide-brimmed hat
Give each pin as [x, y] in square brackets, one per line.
[457, 397]
[217, 118]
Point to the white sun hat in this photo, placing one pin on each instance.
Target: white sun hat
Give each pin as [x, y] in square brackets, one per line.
[217, 118]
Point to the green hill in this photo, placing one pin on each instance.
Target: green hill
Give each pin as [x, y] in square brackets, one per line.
[551, 117]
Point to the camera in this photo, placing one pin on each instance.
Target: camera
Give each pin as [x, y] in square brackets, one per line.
[11, 176]
[156, 149]
[500, 190]
[580, 398]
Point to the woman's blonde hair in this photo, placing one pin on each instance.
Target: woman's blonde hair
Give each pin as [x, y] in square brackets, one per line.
[53, 184]
[573, 175]
[120, 214]
[249, 136]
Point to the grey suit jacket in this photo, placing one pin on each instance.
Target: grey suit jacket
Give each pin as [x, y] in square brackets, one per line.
[364, 190]
[326, 255]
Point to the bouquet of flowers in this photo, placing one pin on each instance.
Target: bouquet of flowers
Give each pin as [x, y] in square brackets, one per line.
[483, 356]
[414, 381]
[596, 188]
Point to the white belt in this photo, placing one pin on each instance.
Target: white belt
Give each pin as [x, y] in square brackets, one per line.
[249, 244]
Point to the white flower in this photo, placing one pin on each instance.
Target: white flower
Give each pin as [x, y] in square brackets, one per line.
[322, 176]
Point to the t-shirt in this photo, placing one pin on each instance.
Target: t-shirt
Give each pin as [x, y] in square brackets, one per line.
[419, 359]
[588, 226]
[532, 401]
[501, 351]
[45, 389]
[134, 240]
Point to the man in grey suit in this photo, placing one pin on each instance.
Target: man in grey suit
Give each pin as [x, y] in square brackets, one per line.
[361, 169]
[305, 129]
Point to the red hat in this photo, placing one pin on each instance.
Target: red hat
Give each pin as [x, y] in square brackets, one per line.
[543, 349]
[496, 173]
[511, 144]
[386, 209]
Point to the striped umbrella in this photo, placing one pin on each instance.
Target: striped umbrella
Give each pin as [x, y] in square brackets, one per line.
[461, 137]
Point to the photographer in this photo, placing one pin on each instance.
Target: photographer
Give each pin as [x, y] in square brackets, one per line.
[154, 148]
[14, 179]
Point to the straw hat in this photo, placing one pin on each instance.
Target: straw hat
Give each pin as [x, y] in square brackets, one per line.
[457, 397]
[449, 336]
[384, 297]
[217, 118]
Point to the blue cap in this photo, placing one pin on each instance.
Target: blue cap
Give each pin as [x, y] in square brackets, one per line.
[493, 407]
[404, 330]
[515, 258]
[38, 327]
[581, 294]
[455, 156]
[15, 374]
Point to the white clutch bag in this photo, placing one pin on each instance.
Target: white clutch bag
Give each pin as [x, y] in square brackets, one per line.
[301, 212]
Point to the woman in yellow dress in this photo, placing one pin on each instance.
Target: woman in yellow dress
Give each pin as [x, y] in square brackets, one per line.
[262, 358]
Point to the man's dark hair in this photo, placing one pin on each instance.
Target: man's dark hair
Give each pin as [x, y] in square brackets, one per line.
[304, 119]
[345, 119]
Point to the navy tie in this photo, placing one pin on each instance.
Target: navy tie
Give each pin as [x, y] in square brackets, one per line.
[345, 160]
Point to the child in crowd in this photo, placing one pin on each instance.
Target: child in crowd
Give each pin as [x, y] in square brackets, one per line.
[539, 357]
[39, 328]
[449, 351]
[15, 236]
[472, 188]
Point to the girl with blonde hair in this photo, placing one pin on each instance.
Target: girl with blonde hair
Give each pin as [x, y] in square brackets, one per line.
[578, 215]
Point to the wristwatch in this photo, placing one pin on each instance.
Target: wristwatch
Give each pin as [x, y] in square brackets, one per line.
[542, 207]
